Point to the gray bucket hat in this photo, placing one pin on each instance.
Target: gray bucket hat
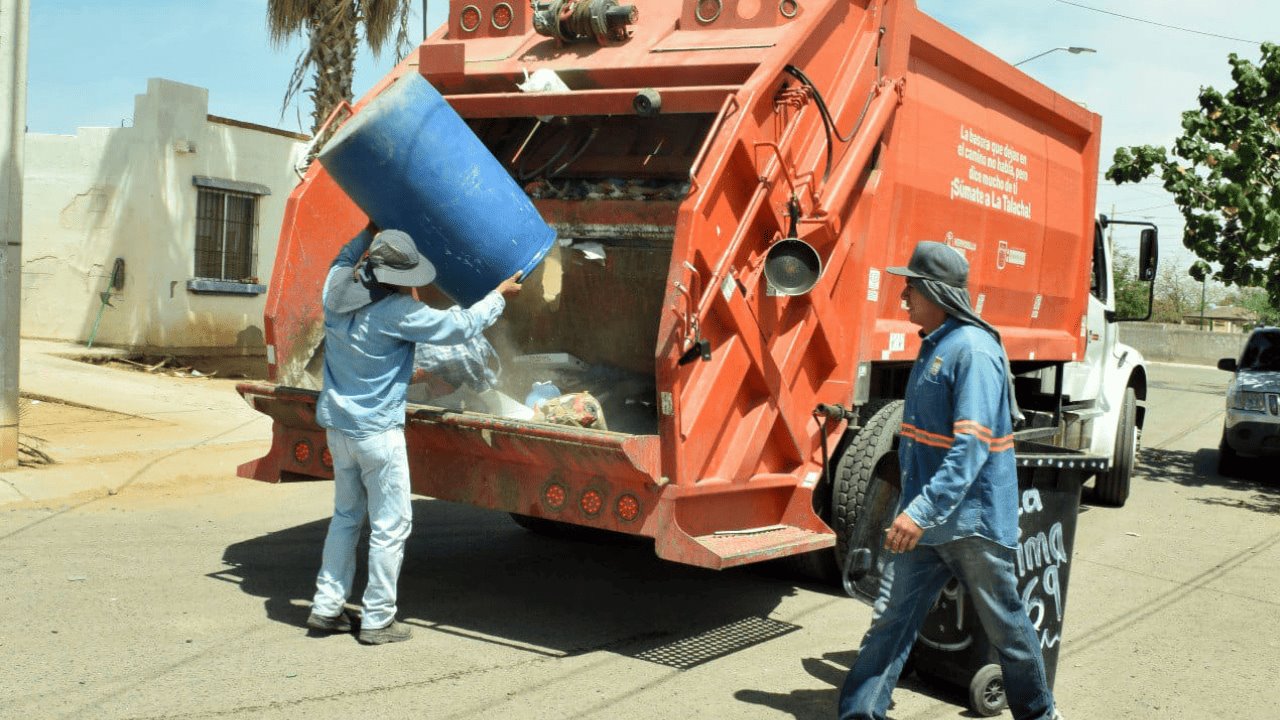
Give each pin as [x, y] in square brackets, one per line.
[393, 259]
[935, 261]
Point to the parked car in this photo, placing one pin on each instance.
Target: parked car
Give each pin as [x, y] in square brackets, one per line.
[1252, 424]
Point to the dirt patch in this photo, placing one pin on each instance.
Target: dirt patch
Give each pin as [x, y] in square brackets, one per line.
[245, 368]
[50, 430]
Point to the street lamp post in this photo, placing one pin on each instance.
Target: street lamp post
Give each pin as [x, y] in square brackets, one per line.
[1072, 49]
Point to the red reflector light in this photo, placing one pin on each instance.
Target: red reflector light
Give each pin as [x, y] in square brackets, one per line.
[326, 458]
[628, 507]
[502, 16]
[591, 502]
[555, 495]
[470, 18]
[708, 10]
[302, 451]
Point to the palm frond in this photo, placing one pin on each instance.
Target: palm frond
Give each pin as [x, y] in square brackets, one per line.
[380, 18]
[286, 18]
[331, 32]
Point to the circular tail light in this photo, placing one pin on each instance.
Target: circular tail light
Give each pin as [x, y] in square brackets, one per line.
[591, 502]
[469, 19]
[302, 451]
[502, 15]
[554, 495]
[628, 507]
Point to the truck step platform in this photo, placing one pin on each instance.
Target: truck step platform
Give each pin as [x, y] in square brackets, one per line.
[739, 547]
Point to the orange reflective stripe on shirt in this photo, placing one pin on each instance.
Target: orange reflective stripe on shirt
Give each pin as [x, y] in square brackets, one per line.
[983, 433]
[925, 437]
[963, 427]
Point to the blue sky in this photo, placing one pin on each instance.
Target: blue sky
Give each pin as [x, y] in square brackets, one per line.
[88, 58]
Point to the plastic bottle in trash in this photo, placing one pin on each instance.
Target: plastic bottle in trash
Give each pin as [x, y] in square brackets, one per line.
[540, 392]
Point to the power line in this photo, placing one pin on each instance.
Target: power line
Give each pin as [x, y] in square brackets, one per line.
[1138, 210]
[1158, 24]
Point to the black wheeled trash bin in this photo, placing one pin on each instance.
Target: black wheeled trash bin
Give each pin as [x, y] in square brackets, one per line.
[952, 647]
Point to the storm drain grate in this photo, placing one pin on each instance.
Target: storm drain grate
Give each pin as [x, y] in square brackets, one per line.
[716, 643]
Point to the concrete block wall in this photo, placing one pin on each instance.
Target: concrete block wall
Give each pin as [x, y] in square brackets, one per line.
[1163, 342]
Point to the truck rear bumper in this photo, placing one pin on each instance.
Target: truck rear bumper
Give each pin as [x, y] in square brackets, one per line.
[585, 477]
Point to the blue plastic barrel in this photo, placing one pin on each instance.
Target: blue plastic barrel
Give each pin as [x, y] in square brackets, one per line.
[412, 164]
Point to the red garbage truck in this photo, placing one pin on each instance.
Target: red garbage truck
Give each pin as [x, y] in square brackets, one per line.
[728, 180]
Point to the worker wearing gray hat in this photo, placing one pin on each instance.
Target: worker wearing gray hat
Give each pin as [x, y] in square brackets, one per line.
[958, 509]
[372, 323]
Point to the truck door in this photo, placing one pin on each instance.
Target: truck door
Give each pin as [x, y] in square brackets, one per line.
[1083, 380]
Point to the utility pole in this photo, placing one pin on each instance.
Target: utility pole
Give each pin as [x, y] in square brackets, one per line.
[1204, 284]
[13, 130]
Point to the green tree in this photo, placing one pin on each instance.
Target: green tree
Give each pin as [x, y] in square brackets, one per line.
[1224, 175]
[1177, 296]
[1256, 300]
[332, 29]
[1131, 293]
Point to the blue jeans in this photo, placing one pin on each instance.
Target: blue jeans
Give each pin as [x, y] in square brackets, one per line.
[370, 476]
[912, 583]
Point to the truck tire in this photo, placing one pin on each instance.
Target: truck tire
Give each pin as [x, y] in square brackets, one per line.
[818, 566]
[1112, 487]
[865, 490]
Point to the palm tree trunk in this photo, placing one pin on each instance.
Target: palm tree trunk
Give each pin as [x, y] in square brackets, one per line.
[333, 40]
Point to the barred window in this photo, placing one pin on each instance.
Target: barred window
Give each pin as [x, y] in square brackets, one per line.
[226, 235]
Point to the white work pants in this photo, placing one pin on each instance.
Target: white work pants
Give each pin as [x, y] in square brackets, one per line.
[371, 476]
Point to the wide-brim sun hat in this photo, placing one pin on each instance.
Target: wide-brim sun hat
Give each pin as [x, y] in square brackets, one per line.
[394, 260]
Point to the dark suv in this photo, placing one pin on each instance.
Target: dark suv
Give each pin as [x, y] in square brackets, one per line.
[1252, 424]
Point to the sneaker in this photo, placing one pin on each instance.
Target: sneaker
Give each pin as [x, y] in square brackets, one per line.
[395, 632]
[340, 623]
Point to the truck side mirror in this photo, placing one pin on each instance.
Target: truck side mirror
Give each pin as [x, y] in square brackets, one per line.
[1228, 364]
[1148, 254]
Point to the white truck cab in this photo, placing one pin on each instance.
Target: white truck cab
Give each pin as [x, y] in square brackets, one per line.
[1107, 388]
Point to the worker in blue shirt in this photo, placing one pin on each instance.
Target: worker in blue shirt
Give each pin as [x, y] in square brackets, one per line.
[372, 322]
[959, 502]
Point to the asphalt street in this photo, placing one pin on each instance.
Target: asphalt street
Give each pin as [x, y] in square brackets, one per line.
[183, 595]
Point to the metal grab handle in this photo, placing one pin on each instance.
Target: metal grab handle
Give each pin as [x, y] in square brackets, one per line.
[730, 105]
[321, 133]
[325, 126]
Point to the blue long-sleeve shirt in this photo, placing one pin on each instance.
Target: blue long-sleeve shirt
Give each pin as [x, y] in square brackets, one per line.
[959, 476]
[368, 352]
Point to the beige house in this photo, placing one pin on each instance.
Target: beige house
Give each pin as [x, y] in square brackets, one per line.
[157, 237]
[1225, 319]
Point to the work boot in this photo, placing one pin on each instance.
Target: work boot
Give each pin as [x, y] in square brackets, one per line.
[340, 623]
[395, 632]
